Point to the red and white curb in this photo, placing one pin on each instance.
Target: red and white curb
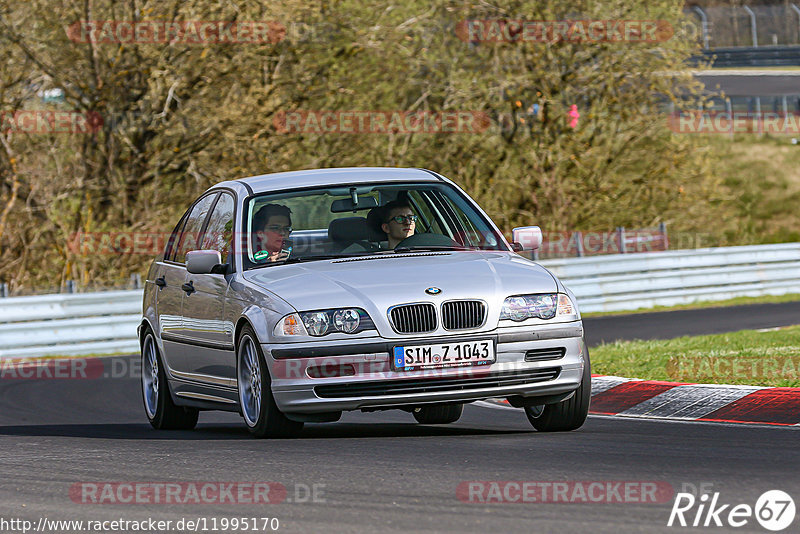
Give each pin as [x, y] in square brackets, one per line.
[632, 397]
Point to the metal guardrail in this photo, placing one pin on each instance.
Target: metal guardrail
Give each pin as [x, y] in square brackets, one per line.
[70, 324]
[633, 281]
[102, 323]
[763, 56]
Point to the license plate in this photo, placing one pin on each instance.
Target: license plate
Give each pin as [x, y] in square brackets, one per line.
[463, 353]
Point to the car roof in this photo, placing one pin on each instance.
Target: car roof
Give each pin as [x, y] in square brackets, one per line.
[335, 177]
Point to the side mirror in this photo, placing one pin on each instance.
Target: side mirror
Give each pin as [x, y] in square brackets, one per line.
[526, 238]
[204, 262]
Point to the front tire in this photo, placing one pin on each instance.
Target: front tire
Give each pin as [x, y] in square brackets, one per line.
[260, 412]
[161, 411]
[565, 415]
[440, 414]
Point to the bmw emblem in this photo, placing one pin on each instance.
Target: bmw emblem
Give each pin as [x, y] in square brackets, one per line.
[433, 291]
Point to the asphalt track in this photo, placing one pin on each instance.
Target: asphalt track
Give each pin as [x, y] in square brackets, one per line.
[667, 325]
[382, 471]
[751, 82]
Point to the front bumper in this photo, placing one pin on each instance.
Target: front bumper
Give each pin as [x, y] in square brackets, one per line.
[376, 385]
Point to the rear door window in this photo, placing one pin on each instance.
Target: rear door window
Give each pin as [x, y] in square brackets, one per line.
[219, 232]
[190, 237]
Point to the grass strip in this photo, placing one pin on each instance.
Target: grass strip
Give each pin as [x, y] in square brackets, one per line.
[738, 301]
[748, 357]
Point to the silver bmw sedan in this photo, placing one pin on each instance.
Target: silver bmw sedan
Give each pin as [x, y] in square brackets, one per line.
[292, 297]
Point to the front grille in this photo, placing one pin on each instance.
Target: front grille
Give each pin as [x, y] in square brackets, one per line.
[436, 385]
[463, 314]
[540, 355]
[414, 318]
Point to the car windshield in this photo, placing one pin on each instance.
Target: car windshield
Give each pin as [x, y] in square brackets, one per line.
[332, 222]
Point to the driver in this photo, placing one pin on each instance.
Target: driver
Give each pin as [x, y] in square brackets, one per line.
[272, 225]
[399, 222]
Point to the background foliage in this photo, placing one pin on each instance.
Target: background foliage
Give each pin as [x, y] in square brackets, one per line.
[180, 117]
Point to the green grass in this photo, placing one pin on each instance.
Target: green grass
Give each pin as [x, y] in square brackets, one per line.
[789, 67]
[760, 190]
[748, 357]
[738, 301]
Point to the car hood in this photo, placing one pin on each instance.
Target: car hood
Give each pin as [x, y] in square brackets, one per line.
[376, 283]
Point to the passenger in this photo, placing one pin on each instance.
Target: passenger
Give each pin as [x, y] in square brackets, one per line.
[399, 222]
[272, 225]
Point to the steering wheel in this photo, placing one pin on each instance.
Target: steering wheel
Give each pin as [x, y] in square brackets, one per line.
[428, 240]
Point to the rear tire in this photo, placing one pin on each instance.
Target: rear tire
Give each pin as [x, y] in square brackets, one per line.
[565, 415]
[161, 411]
[439, 414]
[260, 412]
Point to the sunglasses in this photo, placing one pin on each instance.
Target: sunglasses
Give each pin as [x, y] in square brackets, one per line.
[278, 229]
[400, 218]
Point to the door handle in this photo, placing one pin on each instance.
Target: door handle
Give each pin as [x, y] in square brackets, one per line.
[161, 282]
[188, 287]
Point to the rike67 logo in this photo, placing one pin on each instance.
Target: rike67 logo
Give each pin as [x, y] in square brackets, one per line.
[774, 510]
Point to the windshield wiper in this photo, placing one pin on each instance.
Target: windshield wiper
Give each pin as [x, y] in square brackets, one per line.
[299, 259]
[434, 248]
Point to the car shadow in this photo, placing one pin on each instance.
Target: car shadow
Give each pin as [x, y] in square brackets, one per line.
[237, 431]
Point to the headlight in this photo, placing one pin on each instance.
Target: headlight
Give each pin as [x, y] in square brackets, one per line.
[546, 306]
[346, 320]
[321, 322]
[316, 323]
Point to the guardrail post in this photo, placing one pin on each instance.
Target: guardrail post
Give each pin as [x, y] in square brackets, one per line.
[3, 290]
[703, 25]
[578, 237]
[729, 109]
[136, 280]
[662, 228]
[70, 286]
[796, 10]
[753, 30]
[621, 234]
[758, 116]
